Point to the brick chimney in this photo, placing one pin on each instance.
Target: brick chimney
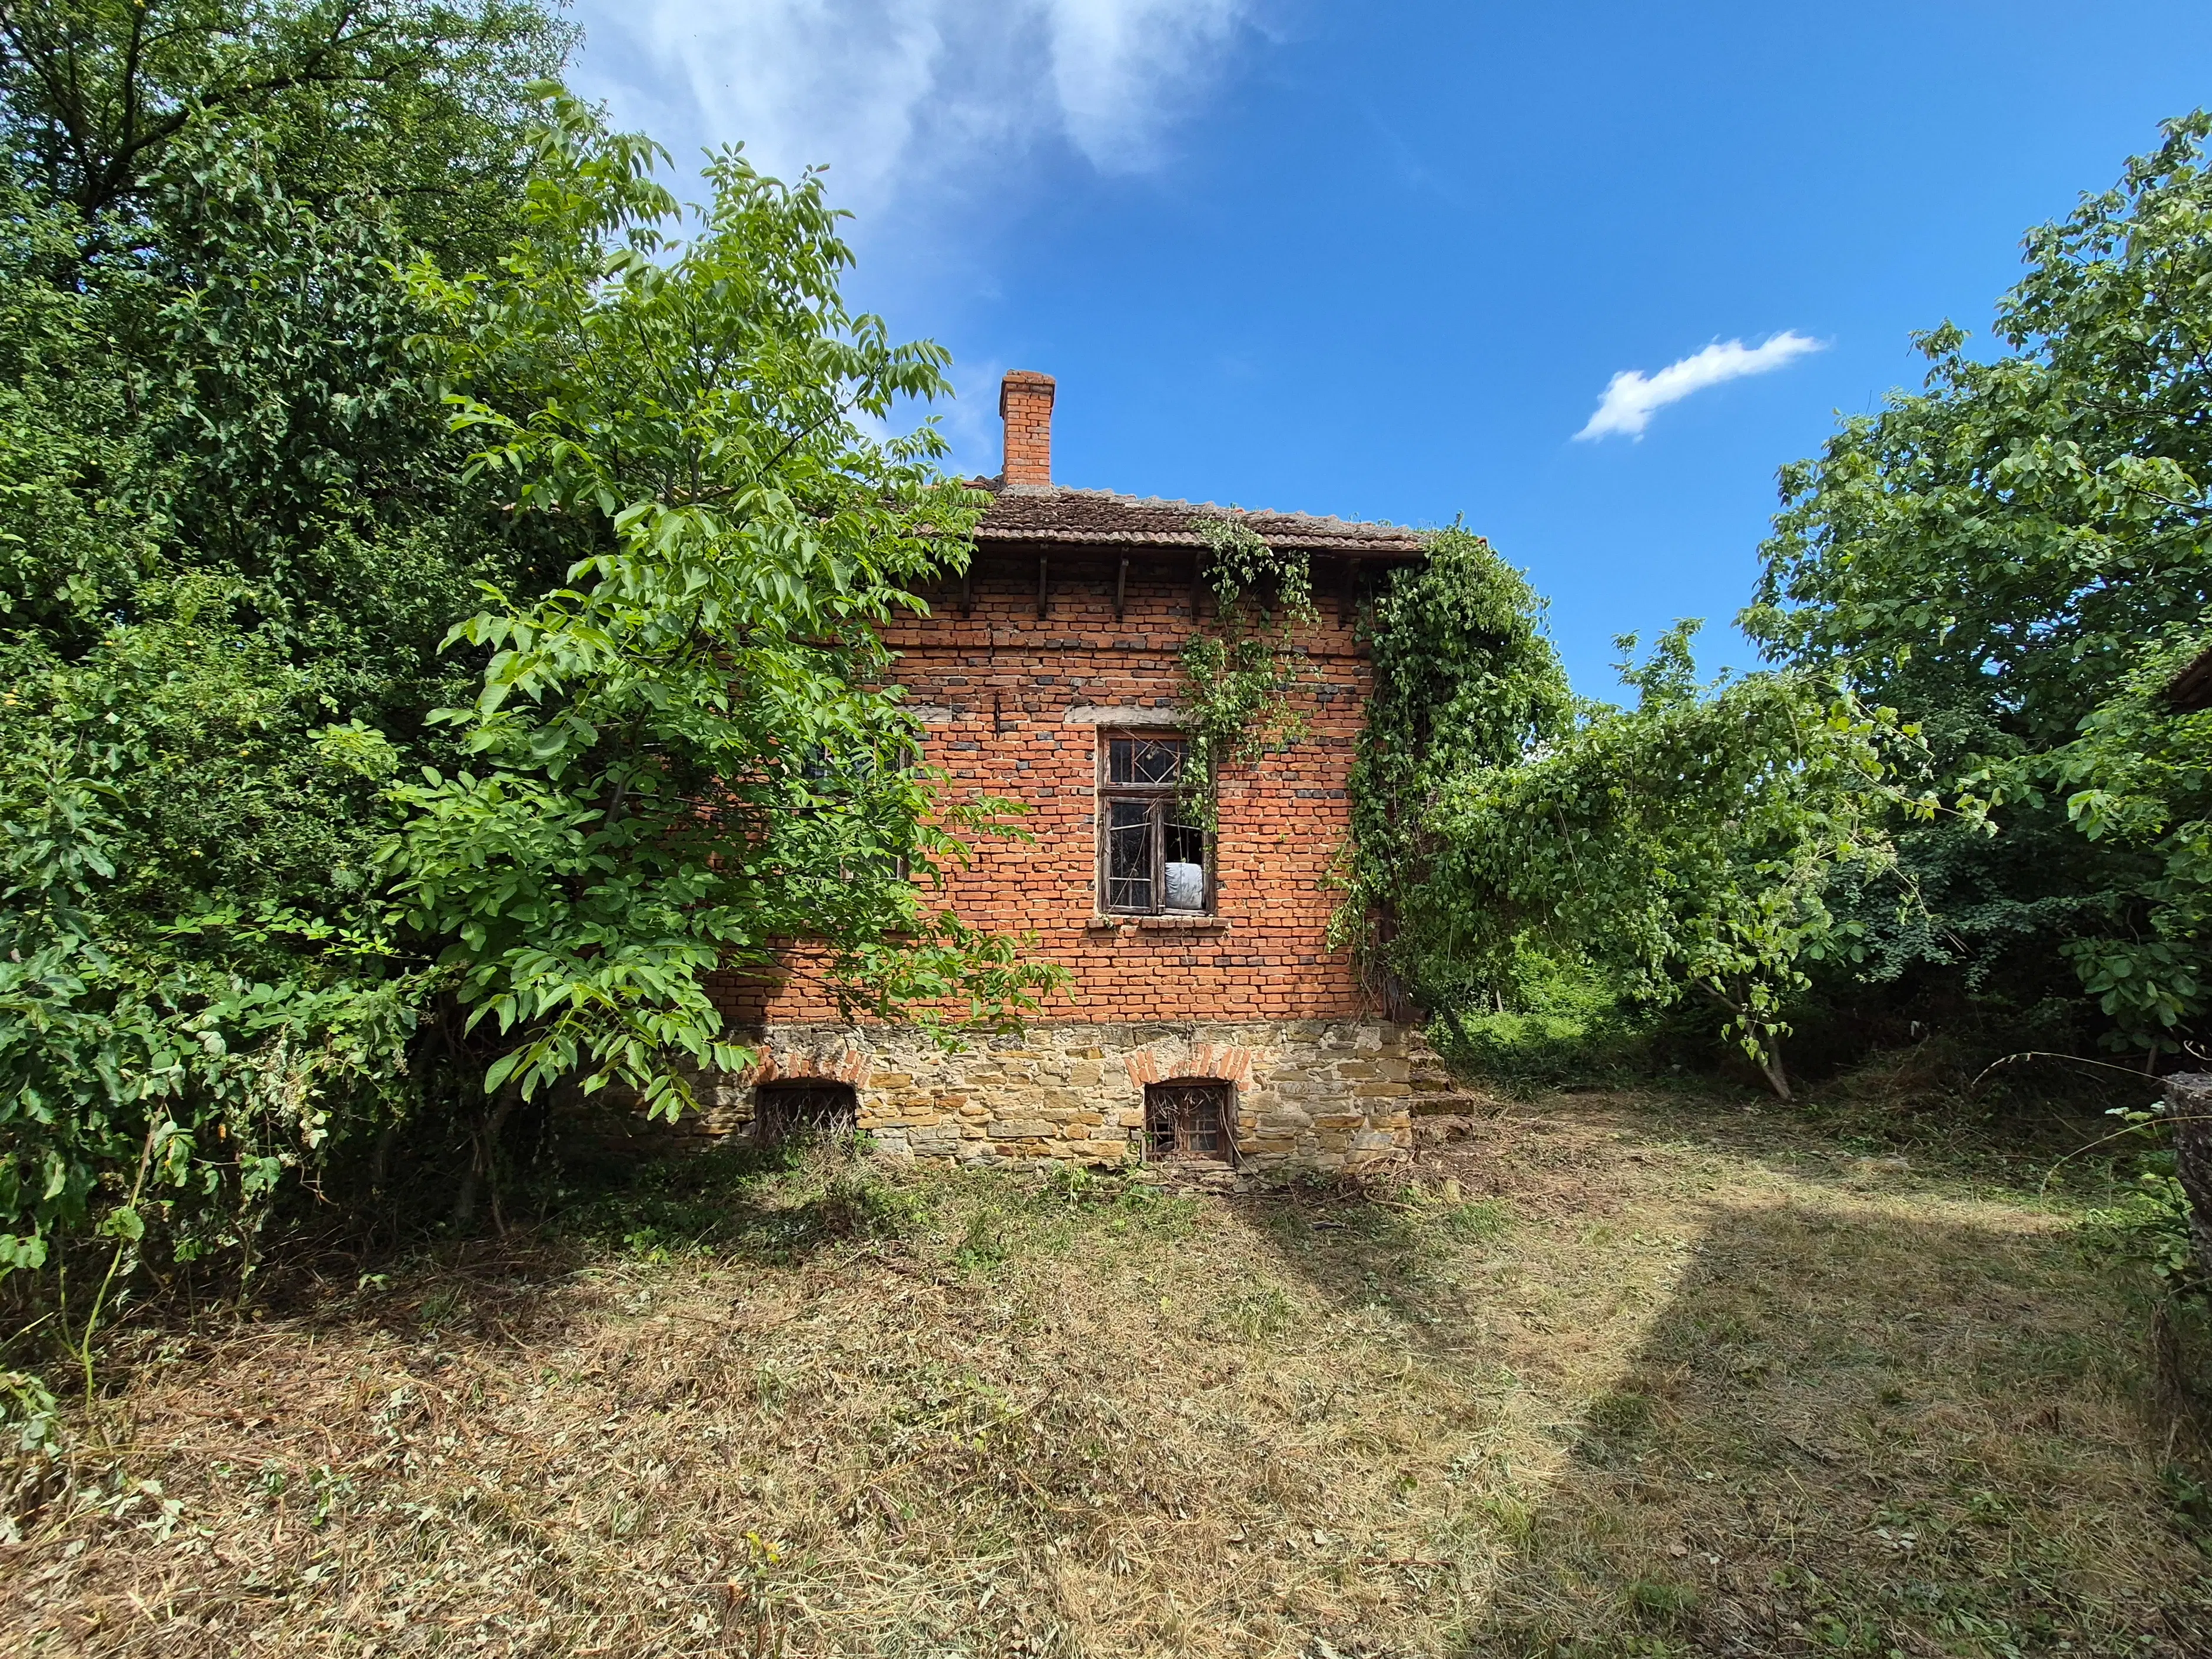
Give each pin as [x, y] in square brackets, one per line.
[1025, 405]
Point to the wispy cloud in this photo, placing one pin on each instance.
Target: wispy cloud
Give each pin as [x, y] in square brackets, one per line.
[1632, 397]
[898, 93]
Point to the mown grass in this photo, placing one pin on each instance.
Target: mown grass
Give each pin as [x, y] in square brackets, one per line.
[1600, 1377]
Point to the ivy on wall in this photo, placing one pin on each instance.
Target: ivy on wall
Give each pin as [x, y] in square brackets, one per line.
[1465, 680]
[1238, 681]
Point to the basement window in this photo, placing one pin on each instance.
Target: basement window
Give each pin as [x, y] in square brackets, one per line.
[805, 1106]
[1188, 1119]
[1152, 860]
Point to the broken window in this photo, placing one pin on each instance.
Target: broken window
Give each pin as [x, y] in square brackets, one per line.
[1152, 858]
[1186, 1119]
[803, 1106]
[834, 783]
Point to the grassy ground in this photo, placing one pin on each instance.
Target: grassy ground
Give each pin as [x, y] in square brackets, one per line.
[1599, 1377]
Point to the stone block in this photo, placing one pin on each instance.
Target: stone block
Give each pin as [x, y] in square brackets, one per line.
[1313, 1092]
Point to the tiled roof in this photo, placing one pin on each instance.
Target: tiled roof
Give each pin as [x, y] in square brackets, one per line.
[2191, 690]
[1095, 516]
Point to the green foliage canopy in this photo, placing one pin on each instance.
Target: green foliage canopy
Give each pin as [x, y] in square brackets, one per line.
[409, 101]
[1998, 555]
[686, 754]
[230, 514]
[1684, 847]
[423, 668]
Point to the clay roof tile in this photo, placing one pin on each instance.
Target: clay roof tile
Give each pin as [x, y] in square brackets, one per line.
[1092, 517]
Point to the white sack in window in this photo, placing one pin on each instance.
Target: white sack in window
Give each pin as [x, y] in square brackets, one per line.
[1186, 887]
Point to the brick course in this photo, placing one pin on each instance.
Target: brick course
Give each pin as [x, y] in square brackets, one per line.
[1014, 708]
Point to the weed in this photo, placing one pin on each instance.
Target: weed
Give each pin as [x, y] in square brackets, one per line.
[2191, 1500]
[1260, 1311]
[439, 1307]
[859, 1203]
[1662, 1602]
[983, 1245]
[1071, 1184]
[1620, 1416]
[771, 1388]
[1475, 1221]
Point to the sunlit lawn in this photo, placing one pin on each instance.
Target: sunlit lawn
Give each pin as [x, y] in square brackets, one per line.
[1600, 1376]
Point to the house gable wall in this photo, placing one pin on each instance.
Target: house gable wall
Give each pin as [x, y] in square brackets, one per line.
[1014, 705]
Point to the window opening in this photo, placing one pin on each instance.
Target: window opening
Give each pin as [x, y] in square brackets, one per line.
[830, 777]
[805, 1106]
[1153, 860]
[1188, 1120]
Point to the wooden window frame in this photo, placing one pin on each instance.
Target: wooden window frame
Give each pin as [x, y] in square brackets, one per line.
[1160, 797]
[774, 1124]
[1179, 1099]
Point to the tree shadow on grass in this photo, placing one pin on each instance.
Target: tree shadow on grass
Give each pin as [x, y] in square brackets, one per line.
[605, 1204]
[1823, 1422]
[1847, 1431]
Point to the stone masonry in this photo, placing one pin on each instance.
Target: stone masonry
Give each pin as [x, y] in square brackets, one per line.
[1328, 1095]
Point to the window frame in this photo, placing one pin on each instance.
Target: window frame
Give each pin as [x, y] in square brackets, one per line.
[1159, 798]
[1221, 1098]
[774, 1124]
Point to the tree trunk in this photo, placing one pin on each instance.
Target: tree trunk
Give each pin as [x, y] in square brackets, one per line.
[1770, 1044]
[1770, 1062]
[1450, 1017]
[483, 1162]
[2189, 1111]
[379, 1163]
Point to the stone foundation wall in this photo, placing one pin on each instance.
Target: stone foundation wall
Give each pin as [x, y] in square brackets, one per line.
[1327, 1095]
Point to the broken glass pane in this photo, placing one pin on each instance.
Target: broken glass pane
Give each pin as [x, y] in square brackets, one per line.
[1129, 855]
[1144, 760]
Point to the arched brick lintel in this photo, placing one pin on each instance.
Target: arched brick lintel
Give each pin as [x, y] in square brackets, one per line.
[789, 1064]
[1163, 1061]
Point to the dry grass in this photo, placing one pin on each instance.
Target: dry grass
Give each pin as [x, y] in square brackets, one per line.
[1613, 1378]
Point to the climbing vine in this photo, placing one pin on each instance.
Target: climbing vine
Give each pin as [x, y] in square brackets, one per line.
[1465, 680]
[1683, 849]
[1237, 682]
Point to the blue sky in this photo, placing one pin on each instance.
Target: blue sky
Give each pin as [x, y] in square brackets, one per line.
[1383, 260]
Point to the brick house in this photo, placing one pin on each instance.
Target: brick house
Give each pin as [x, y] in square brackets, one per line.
[1206, 1018]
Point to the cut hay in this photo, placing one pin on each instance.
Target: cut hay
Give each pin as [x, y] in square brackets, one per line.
[1601, 1378]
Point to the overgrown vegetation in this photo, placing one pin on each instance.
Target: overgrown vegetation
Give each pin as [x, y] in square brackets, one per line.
[1509, 837]
[439, 581]
[438, 593]
[1239, 681]
[2013, 558]
[1465, 681]
[1959, 800]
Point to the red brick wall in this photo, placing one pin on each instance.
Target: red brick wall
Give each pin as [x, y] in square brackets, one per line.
[1009, 679]
[1025, 404]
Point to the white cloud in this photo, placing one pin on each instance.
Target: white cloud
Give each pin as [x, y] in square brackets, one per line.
[1632, 397]
[893, 93]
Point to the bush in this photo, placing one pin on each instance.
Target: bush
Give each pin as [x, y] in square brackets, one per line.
[1527, 1052]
